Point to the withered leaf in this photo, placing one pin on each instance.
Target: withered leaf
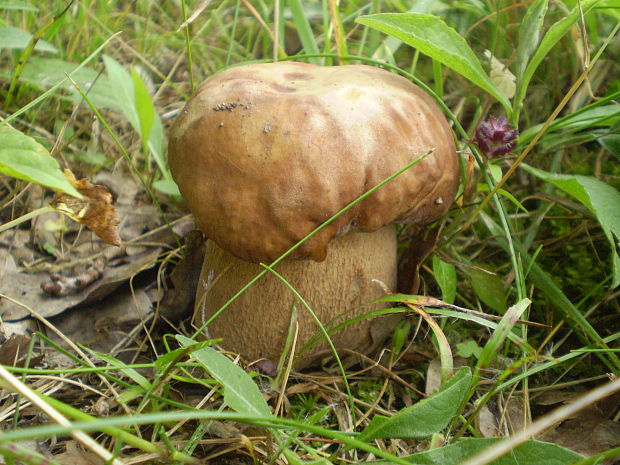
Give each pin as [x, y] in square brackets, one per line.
[95, 210]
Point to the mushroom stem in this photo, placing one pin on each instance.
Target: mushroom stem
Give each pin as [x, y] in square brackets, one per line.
[342, 284]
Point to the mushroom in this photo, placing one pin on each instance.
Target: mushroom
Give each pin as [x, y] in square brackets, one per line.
[265, 153]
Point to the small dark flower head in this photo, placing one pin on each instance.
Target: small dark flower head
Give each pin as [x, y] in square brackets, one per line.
[496, 137]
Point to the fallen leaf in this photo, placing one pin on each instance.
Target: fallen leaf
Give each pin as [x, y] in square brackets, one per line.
[95, 210]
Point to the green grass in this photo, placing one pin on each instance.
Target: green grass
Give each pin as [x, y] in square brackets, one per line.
[515, 246]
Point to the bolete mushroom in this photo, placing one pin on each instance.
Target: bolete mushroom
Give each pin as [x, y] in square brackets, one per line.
[265, 153]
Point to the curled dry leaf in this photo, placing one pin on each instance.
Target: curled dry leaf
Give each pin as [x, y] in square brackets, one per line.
[95, 210]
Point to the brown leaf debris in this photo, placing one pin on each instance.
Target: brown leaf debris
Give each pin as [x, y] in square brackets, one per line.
[95, 210]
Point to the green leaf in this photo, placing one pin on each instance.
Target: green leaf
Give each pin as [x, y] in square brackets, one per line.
[528, 453]
[24, 158]
[503, 330]
[552, 37]
[168, 187]
[44, 73]
[131, 373]
[240, 392]
[16, 5]
[545, 284]
[611, 8]
[445, 275]
[15, 38]
[468, 348]
[424, 418]
[600, 198]
[433, 37]
[529, 34]
[304, 30]
[122, 82]
[504, 193]
[489, 288]
[137, 106]
[143, 104]
[611, 144]
[605, 116]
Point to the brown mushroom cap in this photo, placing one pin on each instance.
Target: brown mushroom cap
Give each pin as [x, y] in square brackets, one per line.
[265, 153]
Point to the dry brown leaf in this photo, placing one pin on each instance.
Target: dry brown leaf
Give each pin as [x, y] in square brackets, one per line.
[588, 432]
[14, 349]
[95, 210]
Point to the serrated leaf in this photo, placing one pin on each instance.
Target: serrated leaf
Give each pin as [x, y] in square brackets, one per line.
[424, 418]
[528, 453]
[15, 38]
[433, 37]
[600, 198]
[445, 275]
[24, 158]
[489, 288]
[240, 392]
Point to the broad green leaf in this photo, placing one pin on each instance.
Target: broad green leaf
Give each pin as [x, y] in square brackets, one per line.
[489, 288]
[445, 275]
[121, 81]
[168, 187]
[528, 453]
[24, 158]
[529, 34]
[424, 418]
[240, 392]
[433, 37]
[143, 104]
[600, 198]
[134, 104]
[386, 49]
[15, 38]
[44, 73]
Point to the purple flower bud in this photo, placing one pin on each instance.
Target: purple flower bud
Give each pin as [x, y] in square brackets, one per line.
[496, 137]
